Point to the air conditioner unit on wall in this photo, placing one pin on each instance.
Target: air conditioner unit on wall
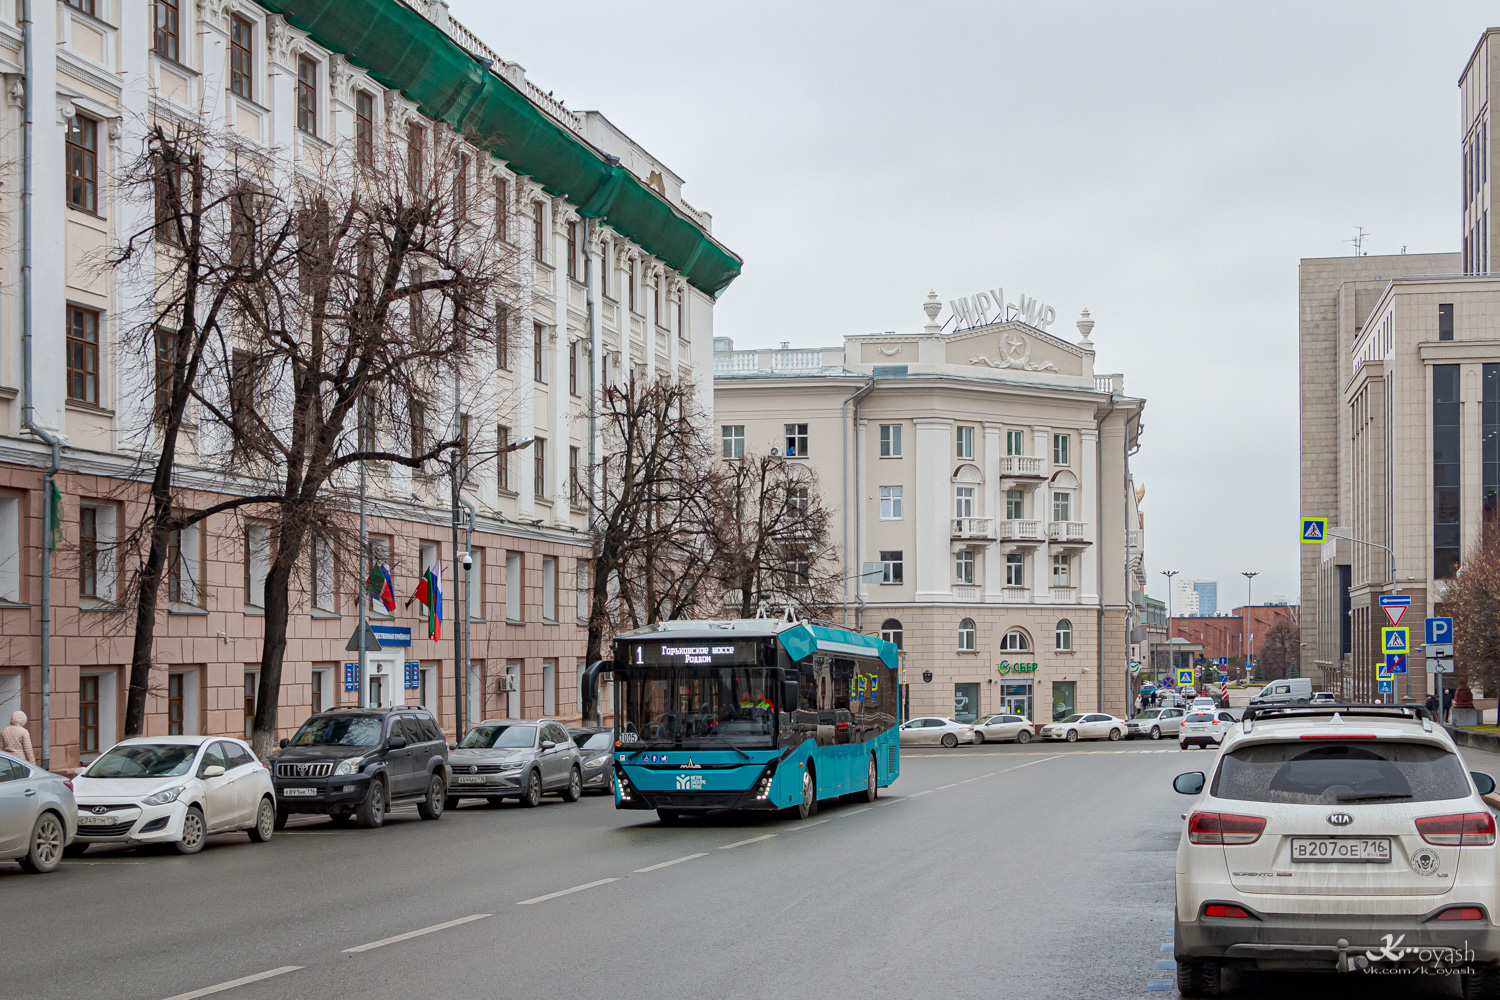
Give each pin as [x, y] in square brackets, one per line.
[506, 683]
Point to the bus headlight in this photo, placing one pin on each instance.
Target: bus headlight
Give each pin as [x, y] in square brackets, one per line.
[763, 784]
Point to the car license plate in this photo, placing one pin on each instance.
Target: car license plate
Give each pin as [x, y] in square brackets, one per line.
[469, 779]
[1374, 850]
[299, 791]
[89, 819]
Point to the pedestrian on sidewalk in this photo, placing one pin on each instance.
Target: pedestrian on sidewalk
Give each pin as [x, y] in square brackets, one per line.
[16, 739]
[1447, 702]
[1432, 704]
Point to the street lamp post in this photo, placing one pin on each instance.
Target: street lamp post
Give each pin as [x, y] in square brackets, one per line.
[1249, 617]
[1169, 573]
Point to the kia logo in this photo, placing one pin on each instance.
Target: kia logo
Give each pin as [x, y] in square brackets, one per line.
[1340, 819]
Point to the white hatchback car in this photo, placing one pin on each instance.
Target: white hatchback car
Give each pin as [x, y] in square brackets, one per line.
[1007, 726]
[1203, 727]
[1348, 840]
[175, 790]
[1085, 726]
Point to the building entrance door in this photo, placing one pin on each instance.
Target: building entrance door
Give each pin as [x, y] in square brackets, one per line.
[1016, 698]
[385, 686]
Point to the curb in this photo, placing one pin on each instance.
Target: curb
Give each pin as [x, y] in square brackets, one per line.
[1473, 740]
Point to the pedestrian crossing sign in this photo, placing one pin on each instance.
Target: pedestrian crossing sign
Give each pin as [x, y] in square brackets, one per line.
[1383, 671]
[1395, 640]
[1314, 530]
[1185, 678]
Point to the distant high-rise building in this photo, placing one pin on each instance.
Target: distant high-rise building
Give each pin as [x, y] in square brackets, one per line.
[1208, 596]
[1195, 597]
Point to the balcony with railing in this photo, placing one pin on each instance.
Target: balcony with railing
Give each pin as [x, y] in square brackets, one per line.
[1022, 467]
[1068, 532]
[977, 529]
[1064, 595]
[968, 593]
[777, 361]
[1109, 383]
[1015, 595]
[1021, 531]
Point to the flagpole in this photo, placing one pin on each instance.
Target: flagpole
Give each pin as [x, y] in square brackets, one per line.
[364, 576]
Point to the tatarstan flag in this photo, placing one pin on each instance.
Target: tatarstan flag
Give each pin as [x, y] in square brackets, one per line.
[430, 595]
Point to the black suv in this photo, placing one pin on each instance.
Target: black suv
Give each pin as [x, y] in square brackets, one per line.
[354, 764]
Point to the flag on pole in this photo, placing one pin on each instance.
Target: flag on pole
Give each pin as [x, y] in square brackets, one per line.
[429, 594]
[379, 586]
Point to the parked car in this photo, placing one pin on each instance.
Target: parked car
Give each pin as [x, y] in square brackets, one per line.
[1323, 698]
[1205, 727]
[38, 817]
[1155, 723]
[516, 759]
[596, 749]
[356, 763]
[1204, 702]
[931, 731]
[1085, 726]
[1291, 691]
[177, 790]
[1004, 727]
[1315, 838]
[1170, 699]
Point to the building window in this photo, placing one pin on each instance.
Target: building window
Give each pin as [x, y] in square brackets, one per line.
[1060, 571]
[88, 552]
[364, 127]
[241, 57]
[1064, 635]
[1446, 504]
[257, 563]
[307, 95]
[549, 687]
[166, 362]
[656, 299]
[1489, 430]
[965, 442]
[581, 585]
[538, 245]
[963, 566]
[502, 208]
[539, 468]
[83, 355]
[631, 280]
[502, 336]
[87, 6]
[890, 440]
[83, 163]
[891, 631]
[513, 588]
[1015, 570]
[1015, 641]
[1059, 449]
[682, 332]
[10, 549]
[164, 37]
[549, 589]
[572, 235]
[1445, 321]
[318, 694]
[323, 576]
[574, 348]
[1062, 506]
[460, 187]
[891, 567]
[1015, 443]
[733, 436]
[174, 704]
[796, 440]
[575, 485]
[252, 681]
[538, 353]
[88, 714]
[1015, 505]
[890, 503]
[416, 146]
[798, 499]
[502, 456]
[966, 636]
[963, 501]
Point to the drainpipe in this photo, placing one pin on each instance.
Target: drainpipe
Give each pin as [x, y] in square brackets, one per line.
[864, 391]
[1129, 604]
[28, 403]
[1099, 549]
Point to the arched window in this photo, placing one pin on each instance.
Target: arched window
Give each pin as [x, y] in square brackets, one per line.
[890, 631]
[1064, 634]
[966, 636]
[1015, 641]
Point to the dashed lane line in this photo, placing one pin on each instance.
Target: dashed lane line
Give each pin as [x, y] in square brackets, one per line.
[807, 825]
[669, 864]
[243, 981]
[417, 933]
[566, 892]
[945, 787]
[742, 843]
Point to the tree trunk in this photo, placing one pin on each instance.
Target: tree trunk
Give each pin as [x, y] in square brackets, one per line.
[273, 651]
[147, 594]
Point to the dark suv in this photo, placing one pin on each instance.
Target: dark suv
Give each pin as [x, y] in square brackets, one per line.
[354, 764]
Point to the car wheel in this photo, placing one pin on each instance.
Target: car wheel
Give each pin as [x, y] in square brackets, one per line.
[1114, 735]
[1072, 736]
[194, 832]
[574, 791]
[1156, 732]
[950, 740]
[978, 737]
[281, 818]
[1181, 745]
[1197, 977]
[431, 806]
[371, 812]
[1024, 736]
[1481, 984]
[265, 822]
[872, 788]
[808, 805]
[532, 797]
[45, 851]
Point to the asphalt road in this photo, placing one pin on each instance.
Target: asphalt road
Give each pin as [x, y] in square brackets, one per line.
[995, 871]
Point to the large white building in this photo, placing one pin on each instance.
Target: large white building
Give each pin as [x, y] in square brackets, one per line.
[986, 471]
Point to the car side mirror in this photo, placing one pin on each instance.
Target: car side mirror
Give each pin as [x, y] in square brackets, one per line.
[1190, 783]
[285, 743]
[396, 742]
[548, 744]
[1483, 782]
[452, 746]
[215, 771]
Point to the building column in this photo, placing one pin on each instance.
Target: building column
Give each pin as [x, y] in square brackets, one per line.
[1036, 571]
[562, 337]
[647, 295]
[862, 506]
[674, 335]
[932, 508]
[1088, 469]
[994, 508]
[1470, 474]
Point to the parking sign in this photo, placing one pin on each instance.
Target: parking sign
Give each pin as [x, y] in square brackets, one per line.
[1439, 631]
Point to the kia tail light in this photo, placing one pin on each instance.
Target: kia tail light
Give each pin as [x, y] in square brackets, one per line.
[1458, 829]
[1224, 828]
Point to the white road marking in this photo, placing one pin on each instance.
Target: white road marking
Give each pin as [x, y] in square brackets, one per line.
[752, 840]
[927, 792]
[990, 775]
[668, 864]
[804, 826]
[244, 981]
[566, 892]
[417, 933]
[953, 785]
[967, 780]
[856, 812]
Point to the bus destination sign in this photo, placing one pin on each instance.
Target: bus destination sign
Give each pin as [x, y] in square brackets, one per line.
[695, 653]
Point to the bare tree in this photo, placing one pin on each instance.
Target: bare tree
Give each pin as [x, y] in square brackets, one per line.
[1279, 647]
[1473, 600]
[215, 233]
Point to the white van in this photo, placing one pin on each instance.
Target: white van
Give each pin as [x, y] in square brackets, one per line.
[1292, 691]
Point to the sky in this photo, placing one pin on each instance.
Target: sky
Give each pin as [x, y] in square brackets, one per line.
[1164, 165]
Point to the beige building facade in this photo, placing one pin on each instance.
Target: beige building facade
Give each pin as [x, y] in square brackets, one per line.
[985, 471]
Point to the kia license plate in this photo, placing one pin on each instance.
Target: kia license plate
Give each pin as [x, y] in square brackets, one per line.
[290, 792]
[468, 779]
[1370, 850]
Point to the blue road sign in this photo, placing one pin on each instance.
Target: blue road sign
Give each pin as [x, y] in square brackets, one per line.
[1385, 687]
[1395, 640]
[1395, 663]
[1223, 678]
[351, 677]
[1222, 661]
[1314, 530]
[1439, 631]
[1393, 600]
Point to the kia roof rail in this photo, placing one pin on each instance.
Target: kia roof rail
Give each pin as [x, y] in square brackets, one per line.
[1376, 711]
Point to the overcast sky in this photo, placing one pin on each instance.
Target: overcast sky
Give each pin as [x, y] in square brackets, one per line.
[1163, 165]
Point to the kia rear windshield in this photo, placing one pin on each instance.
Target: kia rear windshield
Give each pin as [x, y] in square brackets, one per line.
[1321, 772]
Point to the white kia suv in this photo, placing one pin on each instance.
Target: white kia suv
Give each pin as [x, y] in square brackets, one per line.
[1347, 839]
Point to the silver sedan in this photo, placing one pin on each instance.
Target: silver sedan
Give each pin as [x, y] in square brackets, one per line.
[1004, 727]
[38, 817]
[597, 748]
[935, 731]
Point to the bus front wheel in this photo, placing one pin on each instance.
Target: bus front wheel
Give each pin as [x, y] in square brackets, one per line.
[808, 806]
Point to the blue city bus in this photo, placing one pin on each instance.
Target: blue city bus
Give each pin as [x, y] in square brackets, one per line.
[761, 714]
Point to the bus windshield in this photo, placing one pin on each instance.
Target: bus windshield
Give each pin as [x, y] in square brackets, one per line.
[700, 705]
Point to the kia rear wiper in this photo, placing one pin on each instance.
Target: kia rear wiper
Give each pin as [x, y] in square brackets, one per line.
[1371, 796]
